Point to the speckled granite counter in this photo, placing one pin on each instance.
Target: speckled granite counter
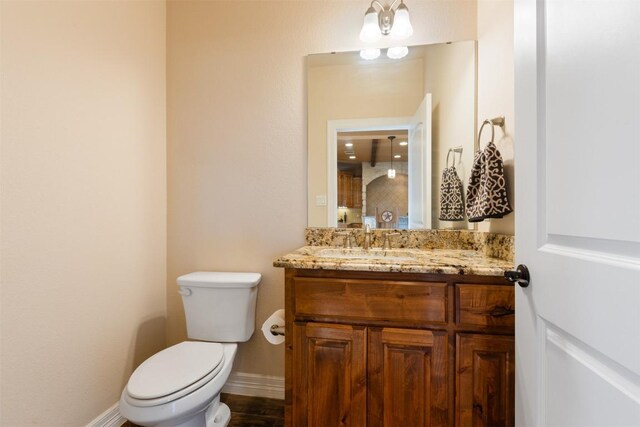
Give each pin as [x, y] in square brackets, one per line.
[441, 261]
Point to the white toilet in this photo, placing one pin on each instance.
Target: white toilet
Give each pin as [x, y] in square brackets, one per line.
[180, 386]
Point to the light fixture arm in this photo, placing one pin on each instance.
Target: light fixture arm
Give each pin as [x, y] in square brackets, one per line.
[385, 15]
[377, 3]
[393, 5]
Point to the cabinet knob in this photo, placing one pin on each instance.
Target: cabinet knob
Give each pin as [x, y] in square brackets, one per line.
[520, 275]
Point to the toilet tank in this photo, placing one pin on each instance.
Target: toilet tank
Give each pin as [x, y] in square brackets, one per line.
[219, 306]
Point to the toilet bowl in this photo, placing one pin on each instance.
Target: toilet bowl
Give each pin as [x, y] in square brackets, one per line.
[180, 386]
[194, 404]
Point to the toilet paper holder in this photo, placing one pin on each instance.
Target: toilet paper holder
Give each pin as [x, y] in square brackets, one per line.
[277, 330]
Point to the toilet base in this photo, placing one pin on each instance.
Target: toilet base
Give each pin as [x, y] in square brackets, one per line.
[218, 414]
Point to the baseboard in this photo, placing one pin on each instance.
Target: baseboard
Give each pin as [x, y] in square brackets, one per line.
[109, 418]
[246, 384]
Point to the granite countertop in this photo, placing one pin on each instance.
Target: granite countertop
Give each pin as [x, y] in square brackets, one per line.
[442, 261]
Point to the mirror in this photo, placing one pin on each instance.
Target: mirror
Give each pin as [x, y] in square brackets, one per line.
[426, 103]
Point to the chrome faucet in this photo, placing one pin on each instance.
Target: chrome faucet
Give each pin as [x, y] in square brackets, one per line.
[367, 237]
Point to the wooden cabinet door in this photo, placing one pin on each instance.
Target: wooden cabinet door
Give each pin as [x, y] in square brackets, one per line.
[345, 196]
[329, 380]
[341, 190]
[356, 192]
[407, 378]
[485, 380]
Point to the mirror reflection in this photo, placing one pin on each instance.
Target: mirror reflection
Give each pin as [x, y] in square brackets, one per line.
[373, 185]
[379, 133]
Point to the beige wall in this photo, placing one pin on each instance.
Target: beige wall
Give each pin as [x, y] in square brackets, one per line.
[83, 204]
[237, 134]
[495, 90]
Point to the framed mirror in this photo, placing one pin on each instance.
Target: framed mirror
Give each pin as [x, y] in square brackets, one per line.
[380, 131]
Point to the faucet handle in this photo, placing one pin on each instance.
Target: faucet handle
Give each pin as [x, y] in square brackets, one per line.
[347, 238]
[386, 243]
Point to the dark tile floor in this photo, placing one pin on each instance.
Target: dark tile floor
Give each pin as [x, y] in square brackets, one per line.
[249, 411]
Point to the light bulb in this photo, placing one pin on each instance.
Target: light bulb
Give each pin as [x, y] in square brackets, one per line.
[402, 28]
[397, 52]
[370, 53]
[370, 32]
[391, 173]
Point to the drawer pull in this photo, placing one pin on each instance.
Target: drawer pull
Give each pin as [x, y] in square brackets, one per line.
[501, 311]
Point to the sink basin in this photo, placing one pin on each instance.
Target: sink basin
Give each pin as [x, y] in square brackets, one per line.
[371, 254]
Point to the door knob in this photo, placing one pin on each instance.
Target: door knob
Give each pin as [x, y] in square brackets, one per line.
[520, 275]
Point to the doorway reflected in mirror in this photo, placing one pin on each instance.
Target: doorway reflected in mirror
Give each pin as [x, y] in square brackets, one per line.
[365, 190]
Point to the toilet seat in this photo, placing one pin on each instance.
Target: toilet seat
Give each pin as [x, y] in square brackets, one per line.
[174, 373]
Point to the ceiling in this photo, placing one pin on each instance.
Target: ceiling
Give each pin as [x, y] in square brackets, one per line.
[362, 142]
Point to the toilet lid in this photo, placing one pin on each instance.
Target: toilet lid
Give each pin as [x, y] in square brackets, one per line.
[174, 369]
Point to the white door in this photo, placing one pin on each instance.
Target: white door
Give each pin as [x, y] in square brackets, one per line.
[577, 157]
[420, 166]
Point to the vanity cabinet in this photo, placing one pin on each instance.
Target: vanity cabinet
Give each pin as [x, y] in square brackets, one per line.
[398, 349]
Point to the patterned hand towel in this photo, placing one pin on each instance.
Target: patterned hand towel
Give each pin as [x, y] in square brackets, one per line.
[487, 192]
[451, 203]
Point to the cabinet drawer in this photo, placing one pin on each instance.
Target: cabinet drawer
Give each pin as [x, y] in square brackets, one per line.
[372, 300]
[485, 305]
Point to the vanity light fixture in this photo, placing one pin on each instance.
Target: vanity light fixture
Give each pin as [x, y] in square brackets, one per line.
[391, 173]
[348, 144]
[370, 53]
[392, 20]
[403, 143]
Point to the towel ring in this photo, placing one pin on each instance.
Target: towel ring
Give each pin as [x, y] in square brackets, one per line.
[454, 151]
[499, 121]
[493, 132]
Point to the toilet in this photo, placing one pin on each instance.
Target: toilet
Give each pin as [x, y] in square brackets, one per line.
[180, 386]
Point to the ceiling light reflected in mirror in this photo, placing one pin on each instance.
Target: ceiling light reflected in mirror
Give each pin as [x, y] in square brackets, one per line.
[370, 54]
